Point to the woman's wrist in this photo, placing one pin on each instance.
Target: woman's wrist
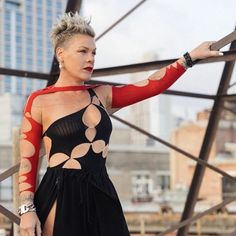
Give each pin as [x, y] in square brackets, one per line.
[27, 207]
[193, 56]
[26, 198]
[182, 62]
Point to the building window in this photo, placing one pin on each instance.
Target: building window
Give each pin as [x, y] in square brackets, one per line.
[7, 47]
[7, 37]
[39, 42]
[12, 5]
[48, 12]
[163, 181]
[228, 188]
[150, 142]
[7, 15]
[6, 189]
[58, 5]
[7, 61]
[142, 187]
[28, 8]
[39, 10]
[7, 27]
[28, 86]
[29, 20]
[29, 63]
[18, 17]
[19, 85]
[18, 39]
[39, 53]
[7, 84]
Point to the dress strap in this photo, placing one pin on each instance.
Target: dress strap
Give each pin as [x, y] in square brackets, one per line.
[93, 94]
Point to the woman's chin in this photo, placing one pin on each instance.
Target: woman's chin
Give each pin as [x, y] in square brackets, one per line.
[86, 79]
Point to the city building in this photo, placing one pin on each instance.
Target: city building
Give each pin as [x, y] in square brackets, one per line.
[189, 137]
[24, 45]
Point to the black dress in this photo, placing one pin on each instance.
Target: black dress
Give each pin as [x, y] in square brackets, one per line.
[87, 202]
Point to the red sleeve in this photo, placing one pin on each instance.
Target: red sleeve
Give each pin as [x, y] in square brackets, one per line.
[31, 132]
[157, 83]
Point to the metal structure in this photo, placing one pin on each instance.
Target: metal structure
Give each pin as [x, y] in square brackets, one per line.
[219, 99]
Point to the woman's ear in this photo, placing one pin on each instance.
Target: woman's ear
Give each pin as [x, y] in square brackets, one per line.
[59, 54]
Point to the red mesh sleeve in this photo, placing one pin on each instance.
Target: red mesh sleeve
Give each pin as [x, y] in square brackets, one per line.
[31, 132]
[157, 83]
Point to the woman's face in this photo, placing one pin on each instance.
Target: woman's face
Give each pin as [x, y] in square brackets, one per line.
[78, 56]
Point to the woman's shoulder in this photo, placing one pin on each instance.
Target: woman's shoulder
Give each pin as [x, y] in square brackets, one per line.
[37, 95]
[34, 98]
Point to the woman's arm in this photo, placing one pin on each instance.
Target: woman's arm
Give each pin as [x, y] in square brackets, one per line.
[121, 96]
[158, 82]
[31, 130]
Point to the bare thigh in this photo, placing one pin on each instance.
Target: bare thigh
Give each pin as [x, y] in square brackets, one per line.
[49, 223]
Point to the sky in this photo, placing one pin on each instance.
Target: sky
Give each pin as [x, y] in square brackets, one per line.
[166, 29]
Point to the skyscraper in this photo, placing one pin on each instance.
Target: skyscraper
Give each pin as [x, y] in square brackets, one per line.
[25, 45]
[24, 40]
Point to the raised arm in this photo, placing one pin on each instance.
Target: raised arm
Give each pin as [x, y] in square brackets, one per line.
[157, 83]
[31, 130]
[121, 96]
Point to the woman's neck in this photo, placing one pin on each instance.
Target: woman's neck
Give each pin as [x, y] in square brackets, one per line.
[67, 80]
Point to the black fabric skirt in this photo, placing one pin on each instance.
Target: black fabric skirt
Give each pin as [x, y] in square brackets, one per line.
[87, 203]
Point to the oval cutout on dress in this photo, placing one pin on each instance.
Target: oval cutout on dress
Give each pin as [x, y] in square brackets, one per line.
[57, 158]
[80, 150]
[72, 164]
[91, 116]
[98, 146]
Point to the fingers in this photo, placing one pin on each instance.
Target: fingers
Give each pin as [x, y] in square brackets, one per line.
[216, 53]
[211, 42]
[28, 232]
[31, 232]
[23, 232]
[38, 229]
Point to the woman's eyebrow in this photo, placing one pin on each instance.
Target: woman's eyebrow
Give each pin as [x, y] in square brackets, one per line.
[87, 48]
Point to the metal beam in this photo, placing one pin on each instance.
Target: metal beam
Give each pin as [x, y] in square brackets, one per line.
[9, 172]
[125, 69]
[230, 110]
[9, 215]
[24, 73]
[198, 216]
[119, 20]
[207, 143]
[229, 97]
[224, 41]
[147, 66]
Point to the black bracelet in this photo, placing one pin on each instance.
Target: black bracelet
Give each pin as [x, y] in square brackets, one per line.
[188, 59]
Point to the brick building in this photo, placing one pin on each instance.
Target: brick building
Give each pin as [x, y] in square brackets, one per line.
[189, 137]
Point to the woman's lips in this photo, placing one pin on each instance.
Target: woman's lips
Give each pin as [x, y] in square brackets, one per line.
[90, 69]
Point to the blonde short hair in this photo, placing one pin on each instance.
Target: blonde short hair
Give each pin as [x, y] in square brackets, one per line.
[68, 25]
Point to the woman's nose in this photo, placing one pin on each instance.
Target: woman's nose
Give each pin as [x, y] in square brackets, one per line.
[90, 58]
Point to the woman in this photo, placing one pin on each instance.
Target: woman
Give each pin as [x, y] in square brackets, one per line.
[76, 196]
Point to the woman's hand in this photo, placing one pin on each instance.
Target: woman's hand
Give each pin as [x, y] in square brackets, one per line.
[30, 225]
[203, 51]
